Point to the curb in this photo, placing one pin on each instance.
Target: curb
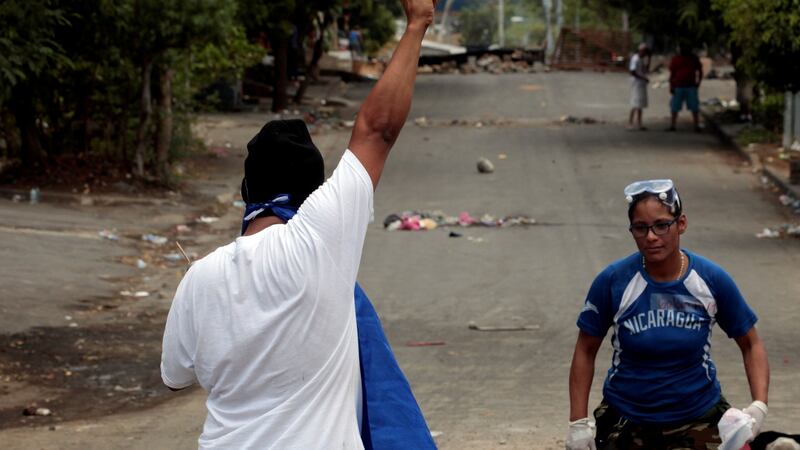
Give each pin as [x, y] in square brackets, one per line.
[728, 141]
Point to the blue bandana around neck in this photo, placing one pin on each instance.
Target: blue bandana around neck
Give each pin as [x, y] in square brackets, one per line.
[391, 418]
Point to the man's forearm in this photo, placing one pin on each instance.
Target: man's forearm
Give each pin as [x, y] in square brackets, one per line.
[385, 110]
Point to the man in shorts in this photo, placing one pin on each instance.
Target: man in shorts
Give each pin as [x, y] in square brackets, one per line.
[638, 67]
[685, 75]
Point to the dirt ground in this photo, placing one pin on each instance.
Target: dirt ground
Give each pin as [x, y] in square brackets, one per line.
[85, 296]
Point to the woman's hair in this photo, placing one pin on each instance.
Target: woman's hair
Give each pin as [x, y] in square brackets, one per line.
[672, 202]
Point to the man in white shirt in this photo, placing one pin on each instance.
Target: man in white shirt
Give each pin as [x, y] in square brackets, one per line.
[638, 69]
[266, 324]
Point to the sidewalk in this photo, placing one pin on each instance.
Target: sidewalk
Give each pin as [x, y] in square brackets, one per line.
[775, 171]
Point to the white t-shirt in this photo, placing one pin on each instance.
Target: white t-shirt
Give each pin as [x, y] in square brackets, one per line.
[267, 326]
[637, 65]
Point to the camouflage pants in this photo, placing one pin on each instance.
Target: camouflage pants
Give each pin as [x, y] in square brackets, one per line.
[615, 432]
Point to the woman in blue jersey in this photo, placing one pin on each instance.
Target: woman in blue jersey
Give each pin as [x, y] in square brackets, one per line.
[661, 303]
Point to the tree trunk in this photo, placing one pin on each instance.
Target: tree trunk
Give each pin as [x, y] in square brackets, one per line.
[31, 149]
[144, 117]
[302, 30]
[280, 45]
[164, 124]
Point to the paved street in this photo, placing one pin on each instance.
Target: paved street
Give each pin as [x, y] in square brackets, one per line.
[485, 390]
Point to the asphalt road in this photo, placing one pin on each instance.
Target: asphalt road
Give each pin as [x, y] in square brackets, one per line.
[487, 390]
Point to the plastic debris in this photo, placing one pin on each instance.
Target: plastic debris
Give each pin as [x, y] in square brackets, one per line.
[16, 198]
[182, 228]
[154, 239]
[421, 121]
[735, 429]
[34, 411]
[137, 294]
[502, 156]
[768, 233]
[795, 145]
[453, 234]
[110, 235]
[785, 200]
[435, 434]
[430, 220]
[207, 219]
[141, 264]
[485, 166]
[173, 257]
[34, 198]
[474, 326]
[239, 203]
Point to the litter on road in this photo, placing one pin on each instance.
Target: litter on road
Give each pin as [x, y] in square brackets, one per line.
[154, 239]
[430, 220]
[785, 230]
[110, 235]
[137, 294]
[207, 219]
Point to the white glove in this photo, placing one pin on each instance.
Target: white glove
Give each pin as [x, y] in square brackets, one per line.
[581, 435]
[758, 411]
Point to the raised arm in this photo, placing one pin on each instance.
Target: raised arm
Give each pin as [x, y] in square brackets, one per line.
[385, 110]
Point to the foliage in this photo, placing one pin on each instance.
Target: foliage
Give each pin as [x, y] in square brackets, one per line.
[376, 21]
[478, 25]
[768, 111]
[767, 32]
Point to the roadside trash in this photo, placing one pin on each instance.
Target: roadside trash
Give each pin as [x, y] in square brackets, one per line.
[435, 434]
[424, 343]
[713, 101]
[475, 239]
[73, 325]
[106, 234]
[141, 264]
[767, 233]
[182, 228]
[34, 196]
[239, 203]
[421, 121]
[16, 198]
[465, 220]
[784, 443]
[154, 239]
[474, 326]
[453, 234]
[390, 219]
[578, 120]
[34, 411]
[136, 388]
[786, 200]
[485, 166]
[207, 219]
[137, 294]
[734, 429]
[348, 123]
[430, 220]
[781, 231]
[173, 257]
[795, 146]
[502, 156]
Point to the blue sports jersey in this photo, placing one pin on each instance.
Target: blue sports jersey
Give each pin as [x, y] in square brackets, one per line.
[661, 370]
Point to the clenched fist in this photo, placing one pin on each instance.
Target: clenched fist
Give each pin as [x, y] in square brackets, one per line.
[419, 12]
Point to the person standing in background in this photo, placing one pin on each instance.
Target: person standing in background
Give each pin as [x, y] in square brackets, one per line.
[639, 67]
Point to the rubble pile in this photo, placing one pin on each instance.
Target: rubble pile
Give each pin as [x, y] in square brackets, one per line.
[488, 63]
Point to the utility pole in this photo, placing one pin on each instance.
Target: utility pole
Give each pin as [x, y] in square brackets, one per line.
[501, 26]
[443, 23]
